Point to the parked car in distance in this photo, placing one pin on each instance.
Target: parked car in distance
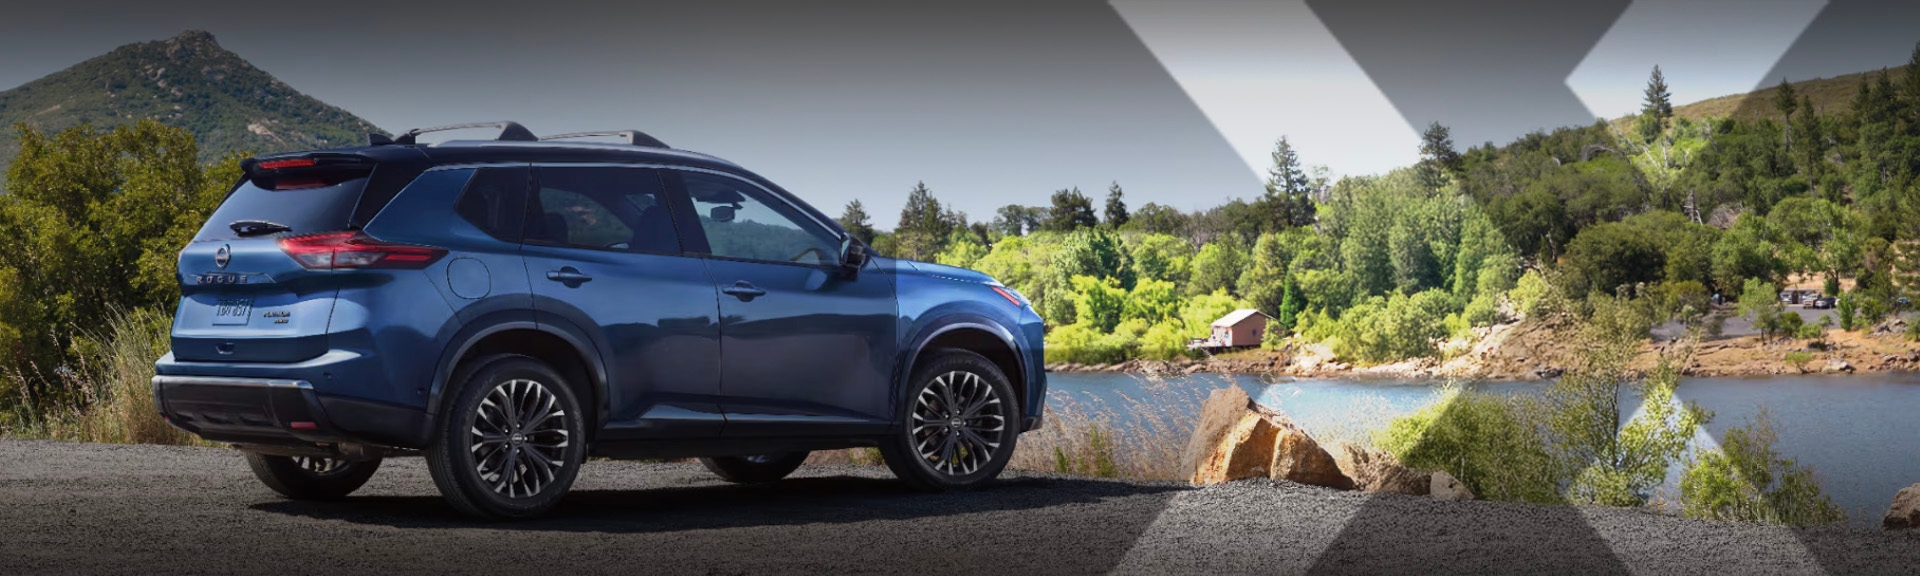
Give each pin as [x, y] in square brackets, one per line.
[1822, 302]
[508, 307]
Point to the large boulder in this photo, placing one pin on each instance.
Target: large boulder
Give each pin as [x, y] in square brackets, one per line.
[1298, 458]
[1905, 512]
[1223, 428]
[1374, 470]
[1445, 487]
[1237, 439]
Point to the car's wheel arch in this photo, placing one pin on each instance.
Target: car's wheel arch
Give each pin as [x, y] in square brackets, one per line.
[965, 331]
[563, 347]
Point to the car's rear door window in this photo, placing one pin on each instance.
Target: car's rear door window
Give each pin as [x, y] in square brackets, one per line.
[601, 208]
[495, 201]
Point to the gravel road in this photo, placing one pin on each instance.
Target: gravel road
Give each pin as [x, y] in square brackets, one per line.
[84, 509]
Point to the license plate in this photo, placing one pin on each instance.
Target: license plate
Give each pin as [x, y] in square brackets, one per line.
[232, 312]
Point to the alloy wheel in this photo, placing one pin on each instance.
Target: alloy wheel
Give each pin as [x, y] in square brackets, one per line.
[519, 438]
[957, 423]
[319, 466]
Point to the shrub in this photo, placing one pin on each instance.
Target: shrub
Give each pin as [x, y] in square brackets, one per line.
[1482, 439]
[1849, 310]
[1611, 464]
[1391, 329]
[1746, 480]
[1799, 358]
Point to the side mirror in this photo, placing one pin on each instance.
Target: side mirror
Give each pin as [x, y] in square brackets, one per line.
[853, 257]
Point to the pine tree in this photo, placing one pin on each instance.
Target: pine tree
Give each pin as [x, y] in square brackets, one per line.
[1116, 207]
[1659, 101]
[1785, 99]
[1071, 211]
[1289, 198]
[1913, 79]
[924, 225]
[857, 223]
[1289, 306]
[1438, 160]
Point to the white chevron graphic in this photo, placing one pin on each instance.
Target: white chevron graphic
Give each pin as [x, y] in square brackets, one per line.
[1689, 40]
[1260, 70]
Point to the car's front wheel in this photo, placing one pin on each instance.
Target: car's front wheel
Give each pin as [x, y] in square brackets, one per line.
[959, 425]
[305, 478]
[511, 441]
[755, 469]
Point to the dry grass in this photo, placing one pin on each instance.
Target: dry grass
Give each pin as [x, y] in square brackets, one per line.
[111, 390]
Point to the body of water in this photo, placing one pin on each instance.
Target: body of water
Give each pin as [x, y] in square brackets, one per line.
[1861, 434]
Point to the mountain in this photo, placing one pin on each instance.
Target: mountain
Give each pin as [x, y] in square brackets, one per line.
[187, 81]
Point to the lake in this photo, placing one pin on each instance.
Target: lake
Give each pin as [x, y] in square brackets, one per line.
[1861, 434]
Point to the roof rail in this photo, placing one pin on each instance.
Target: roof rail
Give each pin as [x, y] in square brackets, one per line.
[509, 131]
[634, 137]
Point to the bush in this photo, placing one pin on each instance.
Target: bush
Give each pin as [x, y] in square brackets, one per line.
[1482, 439]
[1081, 344]
[1849, 310]
[113, 379]
[1746, 480]
[1611, 464]
[1392, 329]
[1799, 358]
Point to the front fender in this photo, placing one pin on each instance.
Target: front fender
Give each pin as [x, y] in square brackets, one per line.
[931, 327]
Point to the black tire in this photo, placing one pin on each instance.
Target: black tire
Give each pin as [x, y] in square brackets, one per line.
[311, 478]
[995, 427]
[755, 469]
[528, 452]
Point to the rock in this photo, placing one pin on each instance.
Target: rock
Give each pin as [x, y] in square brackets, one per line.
[1836, 366]
[1375, 470]
[1298, 458]
[1220, 419]
[1194, 369]
[1905, 512]
[1445, 487]
[1237, 439]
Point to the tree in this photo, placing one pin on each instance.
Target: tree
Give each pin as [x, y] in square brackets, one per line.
[1289, 198]
[1071, 210]
[855, 220]
[1217, 266]
[1760, 302]
[1659, 102]
[1116, 207]
[924, 225]
[94, 222]
[1785, 99]
[1913, 78]
[1016, 220]
[1096, 252]
[1161, 257]
[1438, 160]
[1157, 219]
[1658, 107]
[1747, 480]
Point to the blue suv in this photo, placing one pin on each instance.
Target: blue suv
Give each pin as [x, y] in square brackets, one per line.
[508, 307]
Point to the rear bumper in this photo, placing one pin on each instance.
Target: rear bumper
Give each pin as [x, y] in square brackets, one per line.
[282, 413]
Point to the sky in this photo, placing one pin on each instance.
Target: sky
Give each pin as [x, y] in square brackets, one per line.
[993, 102]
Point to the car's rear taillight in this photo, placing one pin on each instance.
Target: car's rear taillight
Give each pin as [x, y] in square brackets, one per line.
[356, 250]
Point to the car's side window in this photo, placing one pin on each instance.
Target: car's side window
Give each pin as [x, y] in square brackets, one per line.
[603, 208]
[742, 221]
[494, 201]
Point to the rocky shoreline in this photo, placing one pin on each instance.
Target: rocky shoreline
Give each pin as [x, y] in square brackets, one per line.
[1536, 351]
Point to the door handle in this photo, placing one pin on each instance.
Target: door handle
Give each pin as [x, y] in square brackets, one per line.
[743, 290]
[568, 275]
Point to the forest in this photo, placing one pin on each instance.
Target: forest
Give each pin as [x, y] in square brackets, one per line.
[1669, 213]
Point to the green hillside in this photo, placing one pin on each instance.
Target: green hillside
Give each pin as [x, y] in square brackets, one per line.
[187, 81]
[1830, 95]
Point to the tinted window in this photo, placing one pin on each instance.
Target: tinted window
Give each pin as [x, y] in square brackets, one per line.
[306, 210]
[495, 200]
[742, 221]
[609, 208]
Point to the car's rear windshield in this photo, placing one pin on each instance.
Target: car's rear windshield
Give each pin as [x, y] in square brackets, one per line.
[304, 210]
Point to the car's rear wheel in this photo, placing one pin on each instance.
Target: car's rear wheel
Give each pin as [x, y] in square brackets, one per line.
[510, 443]
[304, 478]
[959, 425]
[755, 469]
